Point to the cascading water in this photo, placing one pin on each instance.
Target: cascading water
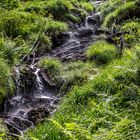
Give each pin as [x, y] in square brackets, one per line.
[17, 79]
[31, 105]
[79, 40]
[39, 83]
[34, 99]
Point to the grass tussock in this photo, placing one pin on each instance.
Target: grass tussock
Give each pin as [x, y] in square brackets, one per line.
[122, 12]
[101, 52]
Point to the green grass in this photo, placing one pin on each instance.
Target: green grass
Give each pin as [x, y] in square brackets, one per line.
[106, 107]
[52, 66]
[133, 27]
[103, 93]
[119, 14]
[101, 52]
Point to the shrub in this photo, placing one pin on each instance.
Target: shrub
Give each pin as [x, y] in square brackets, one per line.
[10, 23]
[101, 52]
[15, 23]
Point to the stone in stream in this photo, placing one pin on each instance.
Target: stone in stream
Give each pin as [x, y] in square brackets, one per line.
[47, 78]
[102, 31]
[36, 115]
[85, 32]
[17, 124]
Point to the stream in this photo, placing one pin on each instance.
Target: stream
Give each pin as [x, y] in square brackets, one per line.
[35, 98]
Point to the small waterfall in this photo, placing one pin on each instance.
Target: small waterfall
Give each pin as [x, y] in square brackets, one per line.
[72, 37]
[79, 40]
[39, 83]
[17, 80]
[86, 21]
[26, 108]
[39, 98]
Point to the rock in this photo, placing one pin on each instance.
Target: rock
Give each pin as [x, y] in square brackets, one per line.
[102, 31]
[37, 114]
[85, 31]
[47, 78]
[18, 124]
[59, 39]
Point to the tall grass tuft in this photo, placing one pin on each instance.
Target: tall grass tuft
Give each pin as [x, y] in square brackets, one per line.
[101, 52]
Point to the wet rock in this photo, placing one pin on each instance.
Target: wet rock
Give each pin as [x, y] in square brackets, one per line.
[47, 78]
[85, 32]
[37, 114]
[92, 20]
[102, 31]
[18, 124]
[59, 39]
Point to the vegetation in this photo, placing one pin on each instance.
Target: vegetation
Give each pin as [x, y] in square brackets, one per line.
[106, 107]
[22, 23]
[102, 94]
[101, 52]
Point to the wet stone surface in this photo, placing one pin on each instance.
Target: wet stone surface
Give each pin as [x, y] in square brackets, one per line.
[73, 44]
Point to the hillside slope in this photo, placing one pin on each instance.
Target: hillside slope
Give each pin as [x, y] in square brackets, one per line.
[100, 94]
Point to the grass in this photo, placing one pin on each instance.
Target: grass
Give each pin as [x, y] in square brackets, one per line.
[103, 93]
[101, 52]
[52, 66]
[119, 15]
[106, 107]
[133, 27]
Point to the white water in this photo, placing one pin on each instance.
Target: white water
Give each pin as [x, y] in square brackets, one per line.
[86, 21]
[17, 80]
[41, 96]
[39, 83]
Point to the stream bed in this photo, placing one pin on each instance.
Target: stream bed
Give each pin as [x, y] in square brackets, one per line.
[38, 99]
